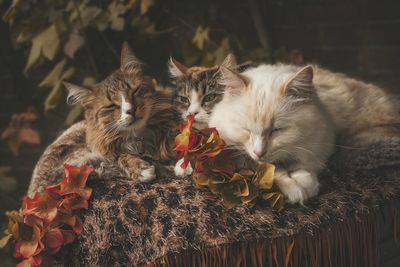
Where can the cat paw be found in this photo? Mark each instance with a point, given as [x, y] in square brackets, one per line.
[298, 186]
[147, 174]
[181, 172]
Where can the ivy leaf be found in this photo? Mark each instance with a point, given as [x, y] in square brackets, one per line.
[46, 43]
[145, 5]
[75, 41]
[54, 75]
[200, 37]
[54, 97]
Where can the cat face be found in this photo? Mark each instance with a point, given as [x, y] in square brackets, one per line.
[197, 89]
[121, 104]
[272, 113]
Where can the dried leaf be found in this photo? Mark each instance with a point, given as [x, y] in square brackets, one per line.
[116, 11]
[264, 178]
[200, 37]
[53, 98]
[75, 41]
[145, 5]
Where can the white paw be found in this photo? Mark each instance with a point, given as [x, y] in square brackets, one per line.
[308, 181]
[181, 172]
[297, 187]
[148, 174]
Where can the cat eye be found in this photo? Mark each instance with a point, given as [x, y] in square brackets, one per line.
[275, 130]
[183, 99]
[209, 97]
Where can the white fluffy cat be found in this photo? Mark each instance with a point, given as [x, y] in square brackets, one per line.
[274, 113]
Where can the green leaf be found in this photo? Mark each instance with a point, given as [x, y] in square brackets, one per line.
[53, 98]
[73, 115]
[54, 75]
[222, 51]
[46, 43]
[88, 81]
[200, 37]
[4, 240]
[12, 11]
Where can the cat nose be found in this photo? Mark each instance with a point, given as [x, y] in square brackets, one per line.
[131, 111]
[259, 152]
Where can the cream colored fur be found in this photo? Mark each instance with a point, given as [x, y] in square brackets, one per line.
[282, 114]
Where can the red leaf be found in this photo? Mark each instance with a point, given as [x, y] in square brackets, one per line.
[75, 181]
[53, 240]
[29, 136]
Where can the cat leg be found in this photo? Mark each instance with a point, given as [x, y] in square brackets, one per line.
[181, 172]
[136, 168]
[297, 186]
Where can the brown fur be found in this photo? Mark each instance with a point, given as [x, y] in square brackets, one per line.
[145, 130]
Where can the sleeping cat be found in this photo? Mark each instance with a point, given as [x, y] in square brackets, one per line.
[280, 114]
[126, 119]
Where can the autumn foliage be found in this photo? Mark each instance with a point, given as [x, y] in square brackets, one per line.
[214, 168]
[49, 220]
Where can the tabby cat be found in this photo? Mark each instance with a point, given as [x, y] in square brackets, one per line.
[127, 120]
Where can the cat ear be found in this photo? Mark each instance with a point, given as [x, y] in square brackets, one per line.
[301, 84]
[129, 62]
[76, 93]
[234, 82]
[229, 61]
[177, 69]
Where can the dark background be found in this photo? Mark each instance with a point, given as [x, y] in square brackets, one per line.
[360, 38]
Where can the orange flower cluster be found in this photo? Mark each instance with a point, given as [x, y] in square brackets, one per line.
[49, 220]
[214, 168]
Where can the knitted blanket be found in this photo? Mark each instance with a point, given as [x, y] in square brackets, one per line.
[169, 222]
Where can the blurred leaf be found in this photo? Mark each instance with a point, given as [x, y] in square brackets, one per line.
[116, 10]
[12, 11]
[75, 41]
[31, 27]
[222, 51]
[54, 75]
[145, 5]
[54, 97]
[8, 183]
[89, 13]
[73, 115]
[19, 131]
[46, 42]
[4, 240]
[88, 81]
[200, 37]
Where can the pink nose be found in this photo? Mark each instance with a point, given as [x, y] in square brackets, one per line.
[260, 152]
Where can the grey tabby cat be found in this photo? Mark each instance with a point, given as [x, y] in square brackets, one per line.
[197, 89]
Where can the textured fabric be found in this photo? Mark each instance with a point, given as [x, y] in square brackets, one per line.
[130, 224]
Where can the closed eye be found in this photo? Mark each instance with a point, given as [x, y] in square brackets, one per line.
[209, 97]
[275, 130]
